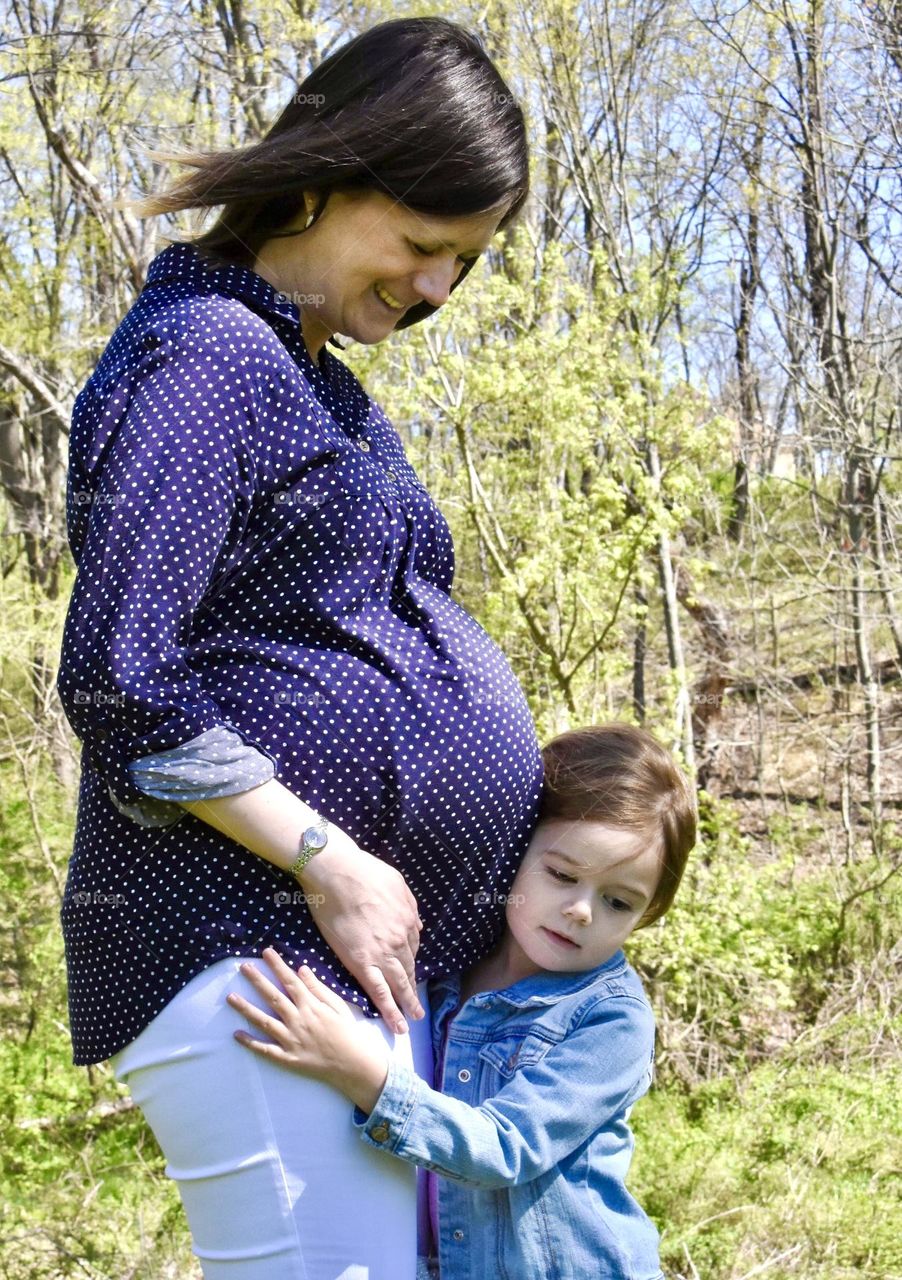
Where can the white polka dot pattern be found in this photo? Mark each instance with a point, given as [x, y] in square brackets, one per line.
[216, 763]
[256, 553]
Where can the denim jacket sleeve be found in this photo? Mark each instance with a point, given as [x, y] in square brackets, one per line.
[548, 1110]
[169, 486]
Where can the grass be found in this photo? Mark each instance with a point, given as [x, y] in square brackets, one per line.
[787, 1172]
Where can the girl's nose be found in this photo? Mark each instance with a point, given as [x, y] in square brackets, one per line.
[433, 282]
[580, 911]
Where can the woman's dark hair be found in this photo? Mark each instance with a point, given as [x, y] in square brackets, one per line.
[619, 774]
[414, 108]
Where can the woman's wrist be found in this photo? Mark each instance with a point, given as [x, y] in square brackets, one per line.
[270, 820]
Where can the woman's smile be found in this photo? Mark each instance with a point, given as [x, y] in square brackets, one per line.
[390, 301]
[355, 235]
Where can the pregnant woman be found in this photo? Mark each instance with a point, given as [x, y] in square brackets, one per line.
[293, 736]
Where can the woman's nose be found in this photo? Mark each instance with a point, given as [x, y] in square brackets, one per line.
[433, 283]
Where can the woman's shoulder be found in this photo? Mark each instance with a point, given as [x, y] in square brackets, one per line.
[224, 329]
[218, 334]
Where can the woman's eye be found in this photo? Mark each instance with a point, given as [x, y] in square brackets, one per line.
[430, 253]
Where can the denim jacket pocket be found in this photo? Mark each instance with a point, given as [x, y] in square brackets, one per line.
[516, 1050]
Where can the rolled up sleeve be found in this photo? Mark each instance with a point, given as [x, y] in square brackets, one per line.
[215, 763]
[168, 500]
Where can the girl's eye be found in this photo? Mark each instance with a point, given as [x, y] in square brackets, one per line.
[427, 253]
[559, 875]
[617, 904]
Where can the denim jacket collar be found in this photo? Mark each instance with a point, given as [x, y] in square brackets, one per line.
[539, 989]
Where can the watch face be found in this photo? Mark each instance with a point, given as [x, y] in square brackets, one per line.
[315, 838]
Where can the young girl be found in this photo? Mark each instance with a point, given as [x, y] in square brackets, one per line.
[541, 1049]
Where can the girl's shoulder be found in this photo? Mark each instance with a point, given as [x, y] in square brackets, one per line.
[613, 993]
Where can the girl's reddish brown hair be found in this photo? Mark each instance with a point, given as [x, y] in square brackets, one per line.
[619, 774]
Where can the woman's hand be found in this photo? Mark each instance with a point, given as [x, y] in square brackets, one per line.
[368, 916]
[361, 906]
[313, 1031]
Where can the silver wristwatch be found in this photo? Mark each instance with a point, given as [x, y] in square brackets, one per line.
[313, 839]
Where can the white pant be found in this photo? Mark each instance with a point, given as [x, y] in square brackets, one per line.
[274, 1177]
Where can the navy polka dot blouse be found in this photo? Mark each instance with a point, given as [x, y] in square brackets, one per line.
[258, 561]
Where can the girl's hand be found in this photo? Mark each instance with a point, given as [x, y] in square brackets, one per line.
[312, 1030]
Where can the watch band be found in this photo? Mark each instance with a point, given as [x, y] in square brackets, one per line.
[313, 840]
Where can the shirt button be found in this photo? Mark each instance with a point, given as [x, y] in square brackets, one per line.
[364, 445]
[392, 474]
[379, 1132]
[463, 1076]
[458, 1234]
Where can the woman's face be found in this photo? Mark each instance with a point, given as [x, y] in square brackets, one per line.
[366, 260]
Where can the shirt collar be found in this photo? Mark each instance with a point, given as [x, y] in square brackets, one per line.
[184, 264]
[548, 987]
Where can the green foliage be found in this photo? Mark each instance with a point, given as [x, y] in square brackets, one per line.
[772, 1139]
[82, 1186]
[751, 952]
[546, 404]
[793, 1169]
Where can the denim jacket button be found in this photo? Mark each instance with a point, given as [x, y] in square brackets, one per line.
[458, 1234]
[463, 1076]
[379, 1132]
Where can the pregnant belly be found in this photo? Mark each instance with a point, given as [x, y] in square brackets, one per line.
[417, 740]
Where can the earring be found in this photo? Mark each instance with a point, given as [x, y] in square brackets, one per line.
[309, 220]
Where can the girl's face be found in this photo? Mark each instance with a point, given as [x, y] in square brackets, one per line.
[366, 260]
[579, 892]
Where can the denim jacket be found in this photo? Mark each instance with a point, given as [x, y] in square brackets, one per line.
[530, 1130]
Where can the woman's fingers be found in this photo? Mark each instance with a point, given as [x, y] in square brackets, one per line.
[390, 987]
[402, 979]
[374, 983]
[368, 916]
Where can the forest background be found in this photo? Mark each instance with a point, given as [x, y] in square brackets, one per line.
[663, 418]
